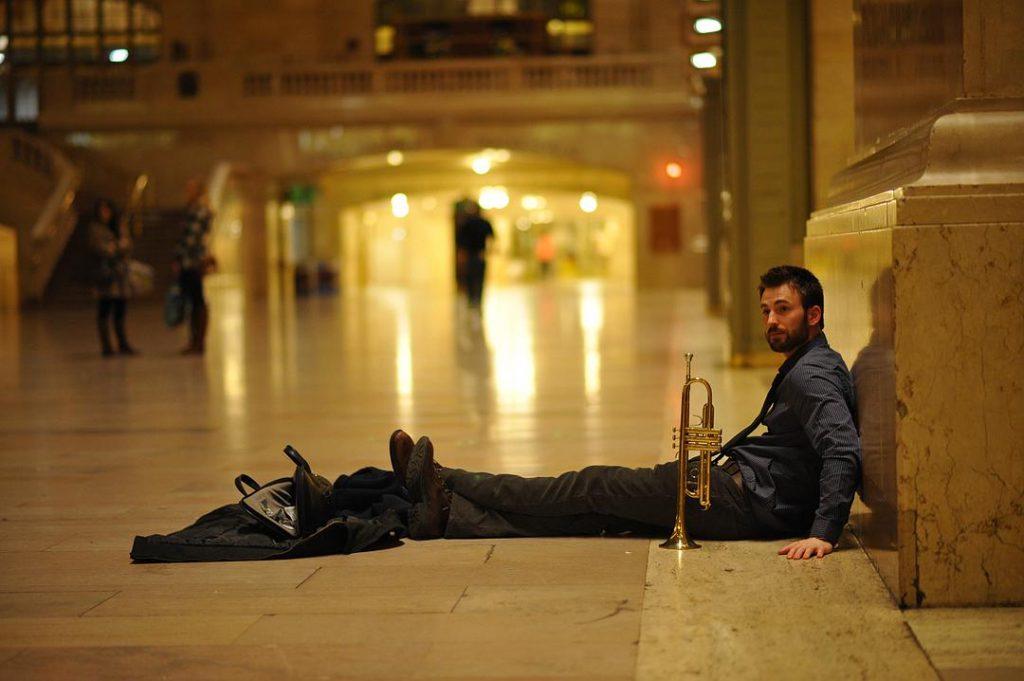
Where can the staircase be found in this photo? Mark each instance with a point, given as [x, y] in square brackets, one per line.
[37, 199]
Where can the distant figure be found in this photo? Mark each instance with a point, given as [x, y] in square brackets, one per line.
[191, 263]
[544, 250]
[112, 245]
[471, 239]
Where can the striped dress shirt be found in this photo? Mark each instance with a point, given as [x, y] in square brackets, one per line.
[806, 467]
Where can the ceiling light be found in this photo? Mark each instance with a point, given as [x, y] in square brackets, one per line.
[533, 202]
[674, 170]
[395, 158]
[481, 165]
[400, 205]
[493, 197]
[707, 25]
[118, 56]
[499, 155]
[588, 202]
[704, 60]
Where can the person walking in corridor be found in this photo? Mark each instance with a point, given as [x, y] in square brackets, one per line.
[191, 263]
[471, 239]
[111, 244]
[797, 479]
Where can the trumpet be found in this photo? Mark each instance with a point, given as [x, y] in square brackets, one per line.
[704, 439]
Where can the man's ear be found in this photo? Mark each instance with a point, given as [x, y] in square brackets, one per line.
[814, 315]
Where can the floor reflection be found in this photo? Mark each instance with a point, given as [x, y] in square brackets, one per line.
[591, 322]
[545, 378]
[509, 328]
[229, 320]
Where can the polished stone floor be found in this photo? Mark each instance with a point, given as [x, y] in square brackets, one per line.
[548, 378]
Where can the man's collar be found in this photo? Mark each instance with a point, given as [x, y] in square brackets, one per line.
[791, 361]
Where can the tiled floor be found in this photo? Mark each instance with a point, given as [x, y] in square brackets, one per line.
[550, 378]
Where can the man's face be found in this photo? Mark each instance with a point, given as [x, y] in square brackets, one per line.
[786, 326]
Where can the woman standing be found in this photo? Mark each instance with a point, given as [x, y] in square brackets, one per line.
[112, 245]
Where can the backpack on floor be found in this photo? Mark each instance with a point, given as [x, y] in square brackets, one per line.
[296, 506]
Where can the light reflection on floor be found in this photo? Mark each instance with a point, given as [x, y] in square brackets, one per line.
[546, 377]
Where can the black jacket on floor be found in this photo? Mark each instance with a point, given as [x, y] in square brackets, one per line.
[371, 511]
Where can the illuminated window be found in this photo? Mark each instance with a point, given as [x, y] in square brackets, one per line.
[429, 29]
[26, 100]
[85, 16]
[115, 16]
[23, 16]
[384, 40]
[56, 31]
[55, 17]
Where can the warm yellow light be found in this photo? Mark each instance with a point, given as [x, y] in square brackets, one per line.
[674, 170]
[384, 40]
[395, 158]
[703, 60]
[400, 205]
[498, 155]
[287, 212]
[588, 202]
[533, 202]
[707, 25]
[556, 27]
[398, 234]
[481, 165]
[493, 198]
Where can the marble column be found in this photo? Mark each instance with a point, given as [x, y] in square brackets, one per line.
[766, 200]
[256, 195]
[921, 255]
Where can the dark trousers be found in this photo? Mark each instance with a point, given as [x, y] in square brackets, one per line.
[601, 500]
[191, 283]
[106, 309]
[476, 268]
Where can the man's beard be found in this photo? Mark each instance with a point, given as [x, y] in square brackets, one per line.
[791, 340]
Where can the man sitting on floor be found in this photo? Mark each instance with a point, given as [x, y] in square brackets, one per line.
[797, 479]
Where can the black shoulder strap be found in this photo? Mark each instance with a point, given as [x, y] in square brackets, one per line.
[294, 455]
[244, 480]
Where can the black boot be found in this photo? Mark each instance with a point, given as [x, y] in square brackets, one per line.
[104, 333]
[432, 503]
[123, 346]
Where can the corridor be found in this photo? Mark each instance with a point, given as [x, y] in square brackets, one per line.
[547, 378]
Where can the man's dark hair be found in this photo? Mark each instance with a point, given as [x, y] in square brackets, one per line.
[803, 280]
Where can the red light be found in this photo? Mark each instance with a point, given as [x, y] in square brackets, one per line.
[674, 170]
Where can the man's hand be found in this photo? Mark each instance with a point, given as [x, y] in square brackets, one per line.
[805, 548]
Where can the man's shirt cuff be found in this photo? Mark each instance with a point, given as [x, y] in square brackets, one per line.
[828, 530]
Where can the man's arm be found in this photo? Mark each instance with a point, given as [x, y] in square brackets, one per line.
[819, 404]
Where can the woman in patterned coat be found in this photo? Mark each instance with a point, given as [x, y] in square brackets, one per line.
[111, 245]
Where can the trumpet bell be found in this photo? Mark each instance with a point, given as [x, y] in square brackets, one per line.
[679, 543]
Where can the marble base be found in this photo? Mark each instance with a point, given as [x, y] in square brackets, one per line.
[925, 300]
